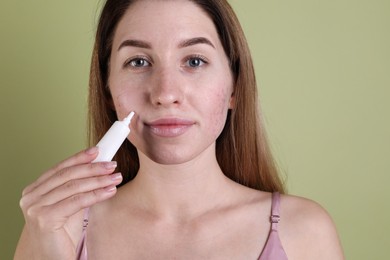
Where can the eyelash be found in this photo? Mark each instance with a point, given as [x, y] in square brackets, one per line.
[130, 62]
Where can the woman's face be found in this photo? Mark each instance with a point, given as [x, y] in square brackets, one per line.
[168, 65]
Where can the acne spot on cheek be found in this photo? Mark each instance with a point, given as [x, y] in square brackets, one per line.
[119, 102]
[219, 114]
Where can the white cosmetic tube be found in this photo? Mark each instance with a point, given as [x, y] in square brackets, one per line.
[112, 140]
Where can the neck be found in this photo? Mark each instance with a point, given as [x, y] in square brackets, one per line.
[179, 192]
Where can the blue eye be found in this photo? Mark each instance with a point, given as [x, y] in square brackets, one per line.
[195, 62]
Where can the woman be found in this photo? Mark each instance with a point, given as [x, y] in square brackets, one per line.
[197, 178]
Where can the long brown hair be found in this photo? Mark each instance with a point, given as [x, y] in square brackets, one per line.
[242, 149]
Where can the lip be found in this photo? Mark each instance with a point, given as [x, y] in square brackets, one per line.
[169, 127]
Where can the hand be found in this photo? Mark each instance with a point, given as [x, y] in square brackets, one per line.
[53, 205]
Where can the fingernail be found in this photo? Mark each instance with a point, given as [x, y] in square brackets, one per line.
[91, 150]
[116, 176]
[110, 188]
[110, 165]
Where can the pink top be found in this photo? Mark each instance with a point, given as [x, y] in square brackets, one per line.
[273, 249]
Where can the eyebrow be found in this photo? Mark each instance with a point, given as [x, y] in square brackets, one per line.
[135, 43]
[182, 44]
[194, 41]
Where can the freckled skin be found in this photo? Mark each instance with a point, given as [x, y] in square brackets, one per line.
[169, 87]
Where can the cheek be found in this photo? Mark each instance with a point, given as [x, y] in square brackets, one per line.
[219, 101]
[123, 92]
[123, 102]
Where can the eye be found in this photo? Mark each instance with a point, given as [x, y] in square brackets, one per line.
[138, 62]
[196, 61]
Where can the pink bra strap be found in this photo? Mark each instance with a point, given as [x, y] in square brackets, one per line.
[275, 215]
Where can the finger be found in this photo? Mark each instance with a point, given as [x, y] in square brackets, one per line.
[52, 217]
[57, 213]
[82, 157]
[77, 186]
[66, 175]
[74, 173]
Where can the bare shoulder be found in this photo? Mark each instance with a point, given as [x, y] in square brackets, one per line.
[307, 231]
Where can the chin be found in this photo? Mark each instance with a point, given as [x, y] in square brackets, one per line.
[169, 159]
[178, 154]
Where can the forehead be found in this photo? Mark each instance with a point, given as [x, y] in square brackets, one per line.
[165, 20]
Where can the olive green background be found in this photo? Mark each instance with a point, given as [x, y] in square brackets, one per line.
[323, 69]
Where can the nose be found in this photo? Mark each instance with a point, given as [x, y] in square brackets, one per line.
[167, 89]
